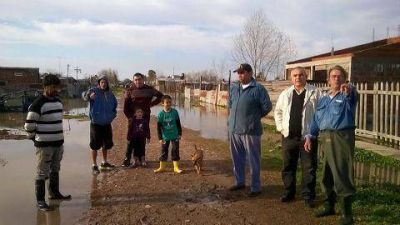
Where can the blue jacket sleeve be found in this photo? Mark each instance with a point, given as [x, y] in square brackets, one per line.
[266, 105]
[314, 129]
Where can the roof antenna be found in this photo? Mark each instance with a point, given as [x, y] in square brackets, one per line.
[373, 33]
[332, 49]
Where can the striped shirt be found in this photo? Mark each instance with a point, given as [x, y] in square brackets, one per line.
[44, 122]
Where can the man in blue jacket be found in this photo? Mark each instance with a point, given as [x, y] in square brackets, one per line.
[334, 125]
[103, 110]
[248, 103]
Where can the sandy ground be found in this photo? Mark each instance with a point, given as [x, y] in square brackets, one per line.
[139, 196]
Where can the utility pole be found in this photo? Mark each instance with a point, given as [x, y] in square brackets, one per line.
[77, 70]
[398, 30]
[59, 65]
[387, 32]
[67, 70]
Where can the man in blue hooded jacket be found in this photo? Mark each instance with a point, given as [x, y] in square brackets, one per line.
[103, 110]
[248, 103]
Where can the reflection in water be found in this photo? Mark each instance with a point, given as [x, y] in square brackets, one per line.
[16, 120]
[373, 174]
[76, 106]
[208, 119]
[51, 217]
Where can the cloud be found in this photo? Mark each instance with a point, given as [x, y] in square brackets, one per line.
[132, 35]
[88, 34]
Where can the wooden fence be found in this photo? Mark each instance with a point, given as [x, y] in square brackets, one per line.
[377, 113]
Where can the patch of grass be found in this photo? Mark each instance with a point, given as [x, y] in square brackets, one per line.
[271, 149]
[373, 204]
[361, 155]
[377, 204]
[118, 91]
[79, 117]
[269, 128]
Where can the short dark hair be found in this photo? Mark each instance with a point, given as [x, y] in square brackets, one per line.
[164, 97]
[51, 79]
[340, 68]
[138, 75]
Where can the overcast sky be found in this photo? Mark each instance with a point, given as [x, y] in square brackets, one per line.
[174, 35]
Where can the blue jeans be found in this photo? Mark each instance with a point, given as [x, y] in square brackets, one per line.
[242, 146]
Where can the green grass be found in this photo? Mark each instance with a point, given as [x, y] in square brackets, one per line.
[118, 91]
[79, 117]
[373, 204]
[377, 204]
[361, 155]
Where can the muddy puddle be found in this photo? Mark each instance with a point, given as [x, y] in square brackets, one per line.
[17, 200]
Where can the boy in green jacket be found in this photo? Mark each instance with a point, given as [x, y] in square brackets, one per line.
[169, 131]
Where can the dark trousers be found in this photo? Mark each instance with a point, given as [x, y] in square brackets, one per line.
[338, 171]
[292, 148]
[137, 145]
[174, 151]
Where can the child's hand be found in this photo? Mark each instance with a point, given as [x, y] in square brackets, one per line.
[148, 140]
[162, 142]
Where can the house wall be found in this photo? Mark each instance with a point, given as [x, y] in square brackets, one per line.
[372, 69]
[18, 78]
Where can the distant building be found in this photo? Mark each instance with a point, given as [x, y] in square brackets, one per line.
[19, 78]
[374, 61]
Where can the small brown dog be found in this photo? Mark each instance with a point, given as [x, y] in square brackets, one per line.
[197, 158]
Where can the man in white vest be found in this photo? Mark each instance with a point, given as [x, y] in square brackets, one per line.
[294, 111]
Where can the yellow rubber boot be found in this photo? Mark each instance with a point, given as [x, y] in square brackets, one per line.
[176, 167]
[162, 167]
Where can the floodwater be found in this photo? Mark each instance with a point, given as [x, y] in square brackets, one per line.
[208, 119]
[17, 199]
[17, 163]
[17, 171]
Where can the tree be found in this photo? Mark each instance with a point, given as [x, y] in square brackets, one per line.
[112, 76]
[262, 45]
[219, 68]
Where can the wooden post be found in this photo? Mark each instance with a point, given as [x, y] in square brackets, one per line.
[381, 112]
[365, 111]
[396, 111]
[391, 112]
[386, 110]
[357, 123]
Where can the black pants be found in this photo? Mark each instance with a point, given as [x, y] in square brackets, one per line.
[101, 136]
[138, 145]
[174, 151]
[292, 148]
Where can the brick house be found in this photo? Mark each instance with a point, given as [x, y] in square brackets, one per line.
[370, 62]
[18, 78]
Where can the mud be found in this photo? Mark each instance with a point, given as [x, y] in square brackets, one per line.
[6, 134]
[139, 196]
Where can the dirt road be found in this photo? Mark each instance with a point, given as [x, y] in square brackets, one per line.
[139, 196]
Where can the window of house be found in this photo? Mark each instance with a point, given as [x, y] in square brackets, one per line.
[18, 74]
[2, 83]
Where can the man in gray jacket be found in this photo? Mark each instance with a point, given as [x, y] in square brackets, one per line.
[248, 103]
[294, 111]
